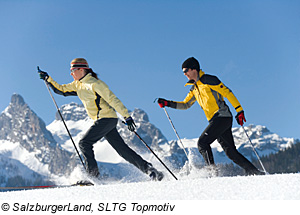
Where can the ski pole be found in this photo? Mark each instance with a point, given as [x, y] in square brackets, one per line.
[188, 166]
[171, 122]
[63, 120]
[255, 151]
[155, 155]
[176, 132]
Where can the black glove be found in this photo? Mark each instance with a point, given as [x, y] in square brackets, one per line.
[130, 124]
[163, 102]
[43, 75]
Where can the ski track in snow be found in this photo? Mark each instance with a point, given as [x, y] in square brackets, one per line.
[269, 187]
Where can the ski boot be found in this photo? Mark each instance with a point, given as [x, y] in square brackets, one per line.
[84, 183]
[154, 174]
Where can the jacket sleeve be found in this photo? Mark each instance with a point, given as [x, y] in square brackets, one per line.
[65, 89]
[227, 93]
[102, 89]
[187, 102]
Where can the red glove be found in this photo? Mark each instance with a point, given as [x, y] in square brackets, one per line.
[163, 102]
[240, 118]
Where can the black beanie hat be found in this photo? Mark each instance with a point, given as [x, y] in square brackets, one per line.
[191, 63]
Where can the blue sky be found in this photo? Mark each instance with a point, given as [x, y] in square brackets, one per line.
[137, 48]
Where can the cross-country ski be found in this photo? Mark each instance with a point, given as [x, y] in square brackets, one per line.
[80, 184]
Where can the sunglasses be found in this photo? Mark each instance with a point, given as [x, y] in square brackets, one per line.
[186, 70]
[74, 69]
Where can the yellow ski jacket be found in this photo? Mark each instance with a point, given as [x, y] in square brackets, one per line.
[98, 100]
[209, 92]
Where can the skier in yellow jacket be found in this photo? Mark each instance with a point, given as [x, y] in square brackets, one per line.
[209, 92]
[101, 105]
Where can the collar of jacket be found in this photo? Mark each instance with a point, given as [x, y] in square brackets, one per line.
[85, 77]
[192, 82]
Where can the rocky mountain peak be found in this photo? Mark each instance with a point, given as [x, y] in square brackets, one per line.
[16, 99]
[150, 133]
[72, 111]
[18, 120]
[140, 115]
[20, 125]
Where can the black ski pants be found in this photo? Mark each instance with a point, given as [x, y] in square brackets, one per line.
[106, 127]
[220, 128]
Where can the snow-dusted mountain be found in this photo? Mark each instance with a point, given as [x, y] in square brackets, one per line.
[27, 148]
[32, 152]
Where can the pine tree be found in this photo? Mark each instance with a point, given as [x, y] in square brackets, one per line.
[287, 161]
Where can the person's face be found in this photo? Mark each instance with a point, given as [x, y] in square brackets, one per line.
[77, 73]
[191, 74]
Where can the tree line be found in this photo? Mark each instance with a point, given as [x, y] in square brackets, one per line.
[286, 161]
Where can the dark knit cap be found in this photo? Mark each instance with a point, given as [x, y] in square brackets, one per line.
[191, 63]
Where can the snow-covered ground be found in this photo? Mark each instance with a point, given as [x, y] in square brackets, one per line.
[189, 195]
[269, 187]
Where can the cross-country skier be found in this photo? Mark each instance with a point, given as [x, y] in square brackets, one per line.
[209, 92]
[101, 105]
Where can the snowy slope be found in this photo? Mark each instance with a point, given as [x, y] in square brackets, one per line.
[189, 195]
[270, 187]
